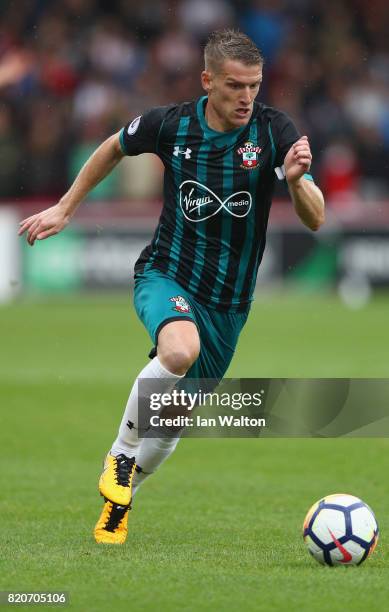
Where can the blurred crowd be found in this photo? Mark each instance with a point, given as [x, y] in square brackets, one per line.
[72, 72]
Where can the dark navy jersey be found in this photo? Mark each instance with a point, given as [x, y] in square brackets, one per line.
[217, 195]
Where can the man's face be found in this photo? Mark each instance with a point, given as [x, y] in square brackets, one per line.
[231, 92]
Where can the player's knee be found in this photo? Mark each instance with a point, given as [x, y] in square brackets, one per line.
[179, 359]
[178, 346]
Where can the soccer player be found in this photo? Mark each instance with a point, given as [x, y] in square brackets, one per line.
[194, 283]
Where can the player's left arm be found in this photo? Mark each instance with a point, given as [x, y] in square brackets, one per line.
[307, 198]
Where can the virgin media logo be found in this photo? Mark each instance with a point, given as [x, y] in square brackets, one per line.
[199, 203]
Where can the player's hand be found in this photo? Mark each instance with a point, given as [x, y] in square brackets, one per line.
[298, 159]
[44, 224]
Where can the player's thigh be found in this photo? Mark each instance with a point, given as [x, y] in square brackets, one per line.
[165, 310]
[219, 334]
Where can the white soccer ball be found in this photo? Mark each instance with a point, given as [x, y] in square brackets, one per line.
[340, 530]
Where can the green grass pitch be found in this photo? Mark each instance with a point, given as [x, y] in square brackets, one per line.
[219, 527]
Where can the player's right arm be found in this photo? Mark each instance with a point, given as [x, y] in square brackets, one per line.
[52, 220]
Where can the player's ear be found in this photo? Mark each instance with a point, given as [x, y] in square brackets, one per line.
[206, 80]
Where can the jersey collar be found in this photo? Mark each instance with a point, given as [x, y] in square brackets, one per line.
[219, 139]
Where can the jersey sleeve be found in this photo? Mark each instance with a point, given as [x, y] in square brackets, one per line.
[141, 135]
[285, 135]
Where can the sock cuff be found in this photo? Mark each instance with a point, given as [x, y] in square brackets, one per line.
[161, 372]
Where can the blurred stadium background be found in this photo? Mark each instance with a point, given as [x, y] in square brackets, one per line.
[72, 72]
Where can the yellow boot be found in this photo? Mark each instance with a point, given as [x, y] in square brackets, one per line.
[111, 528]
[116, 480]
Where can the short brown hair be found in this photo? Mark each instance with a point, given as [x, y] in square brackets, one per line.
[233, 45]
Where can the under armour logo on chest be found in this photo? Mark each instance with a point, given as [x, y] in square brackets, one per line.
[177, 152]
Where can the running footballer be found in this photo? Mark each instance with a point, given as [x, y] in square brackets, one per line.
[195, 281]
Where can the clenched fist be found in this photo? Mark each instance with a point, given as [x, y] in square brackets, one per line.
[298, 159]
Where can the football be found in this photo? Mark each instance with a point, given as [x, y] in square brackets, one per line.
[340, 529]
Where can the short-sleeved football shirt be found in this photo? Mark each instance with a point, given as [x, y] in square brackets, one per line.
[216, 198]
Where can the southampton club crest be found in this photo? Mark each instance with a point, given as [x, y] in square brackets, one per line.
[181, 305]
[249, 155]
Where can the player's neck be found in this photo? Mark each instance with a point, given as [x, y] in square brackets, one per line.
[214, 120]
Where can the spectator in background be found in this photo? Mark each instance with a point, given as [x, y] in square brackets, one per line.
[46, 150]
[200, 17]
[340, 176]
[265, 22]
[10, 154]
